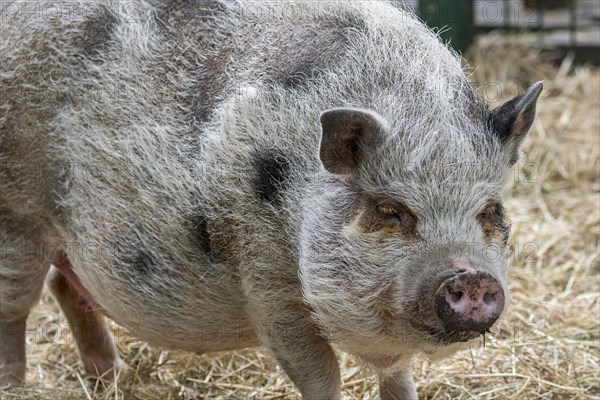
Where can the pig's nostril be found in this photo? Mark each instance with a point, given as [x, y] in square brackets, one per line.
[454, 297]
[489, 298]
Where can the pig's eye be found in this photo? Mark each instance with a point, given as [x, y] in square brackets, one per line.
[494, 222]
[493, 209]
[387, 211]
[398, 213]
[389, 217]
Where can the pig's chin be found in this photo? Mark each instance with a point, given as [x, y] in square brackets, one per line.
[447, 338]
[441, 344]
[444, 337]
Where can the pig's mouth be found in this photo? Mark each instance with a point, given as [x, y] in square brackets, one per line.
[447, 337]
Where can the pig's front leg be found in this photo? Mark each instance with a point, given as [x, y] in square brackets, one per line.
[399, 386]
[306, 357]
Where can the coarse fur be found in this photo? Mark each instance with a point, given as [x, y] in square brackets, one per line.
[171, 152]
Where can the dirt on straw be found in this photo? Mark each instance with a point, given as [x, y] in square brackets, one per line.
[547, 347]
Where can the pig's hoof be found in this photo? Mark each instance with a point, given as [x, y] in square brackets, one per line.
[10, 380]
[103, 368]
[12, 374]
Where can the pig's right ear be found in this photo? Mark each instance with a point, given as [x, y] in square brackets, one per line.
[346, 135]
[513, 120]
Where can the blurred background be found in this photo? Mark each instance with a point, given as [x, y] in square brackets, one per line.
[558, 27]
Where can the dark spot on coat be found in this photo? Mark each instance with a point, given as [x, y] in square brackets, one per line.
[131, 254]
[304, 52]
[181, 12]
[141, 262]
[147, 272]
[271, 171]
[94, 35]
[198, 227]
[200, 22]
[293, 54]
[209, 89]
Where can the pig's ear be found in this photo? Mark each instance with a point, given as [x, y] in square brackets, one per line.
[512, 120]
[346, 135]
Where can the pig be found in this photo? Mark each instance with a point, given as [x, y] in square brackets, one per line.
[214, 175]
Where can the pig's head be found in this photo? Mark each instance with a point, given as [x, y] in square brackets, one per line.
[405, 246]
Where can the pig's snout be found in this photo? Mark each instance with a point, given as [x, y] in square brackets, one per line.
[469, 301]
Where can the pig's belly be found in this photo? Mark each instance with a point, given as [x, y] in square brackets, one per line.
[205, 315]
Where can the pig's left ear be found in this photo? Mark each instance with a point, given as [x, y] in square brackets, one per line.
[512, 120]
[347, 134]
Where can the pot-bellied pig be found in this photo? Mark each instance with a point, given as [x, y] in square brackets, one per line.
[214, 175]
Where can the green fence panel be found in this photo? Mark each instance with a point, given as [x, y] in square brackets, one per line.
[453, 17]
